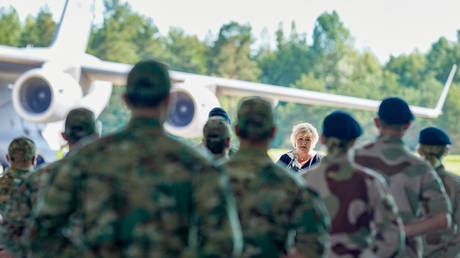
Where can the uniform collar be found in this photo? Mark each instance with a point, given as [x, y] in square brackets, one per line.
[390, 139]
[143, 122]
[17, 171]
[252, 152]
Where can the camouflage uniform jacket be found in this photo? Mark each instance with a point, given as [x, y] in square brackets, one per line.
[274, 206]
[416, 188]
[137, 193]
[9, 180]
[364, 217]
[19, 209]
[447, 243]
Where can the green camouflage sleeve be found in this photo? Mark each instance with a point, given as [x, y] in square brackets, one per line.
[55, 203]
[434, 197]
[15, 217]
[311, 224]
[6, 182]
[390, 237]
[218, 228]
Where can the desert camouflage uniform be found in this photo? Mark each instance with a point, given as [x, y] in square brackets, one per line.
[364, 218]
[137, 193]
[277, 211]
[417, 190]
[446, 244]
[9, 181]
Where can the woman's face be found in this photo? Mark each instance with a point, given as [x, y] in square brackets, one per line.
[303, 142]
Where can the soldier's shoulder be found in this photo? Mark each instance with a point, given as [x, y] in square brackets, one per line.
[369, 173]
[7, 174]
[296, 179]
[453, 177]
[46, 170]
[365, 148]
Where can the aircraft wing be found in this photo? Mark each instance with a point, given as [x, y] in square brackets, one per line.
[15, 61]
[21, 56]
[116, 73]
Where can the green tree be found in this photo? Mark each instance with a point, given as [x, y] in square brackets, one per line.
[38, 31]
[331, 42]
[410, 69]
[288, 61]
[231, 53]
[186, 53]
[10, 26]
[125, 36]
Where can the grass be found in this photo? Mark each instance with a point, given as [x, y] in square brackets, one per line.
[451, 162]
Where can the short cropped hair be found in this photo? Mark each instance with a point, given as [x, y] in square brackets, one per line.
[306, 128]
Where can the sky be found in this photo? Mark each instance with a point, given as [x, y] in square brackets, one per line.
[384, 27]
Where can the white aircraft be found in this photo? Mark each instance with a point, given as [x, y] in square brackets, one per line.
[39, 86]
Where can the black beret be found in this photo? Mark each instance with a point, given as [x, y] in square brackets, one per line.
[433, 136]
[395, 111]
[341, 125]
[218, 111]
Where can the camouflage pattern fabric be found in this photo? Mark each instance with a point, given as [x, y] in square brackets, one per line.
[417, 190]
[364, 217]
[277, 211]
[10, 179]
[446, 244]
[23, 198]
[138, 193]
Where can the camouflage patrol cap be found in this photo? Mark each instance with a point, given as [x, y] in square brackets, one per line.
[148, 83]
[21, 149]
[79, 123]
[395, 111]
[216, 128]
[255, 118]
[341, 125]
[433, 136]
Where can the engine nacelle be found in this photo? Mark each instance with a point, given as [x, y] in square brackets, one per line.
[45, 95]
[189, 109]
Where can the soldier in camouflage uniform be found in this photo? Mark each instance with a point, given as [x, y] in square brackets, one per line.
[433, 146]
[217, 137]
[139, 192]
[80, 128]
[278, 213]
[21, 157]
[220, 112]
[419, 194]
[364, 218]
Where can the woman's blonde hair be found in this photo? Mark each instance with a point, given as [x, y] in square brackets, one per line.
[433, 153]
[307, 128]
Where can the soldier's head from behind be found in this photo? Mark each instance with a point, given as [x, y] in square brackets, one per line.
[147, 89]
[255, 125]
[21, 153]
[80, 123]
[394, 116]
[340, 131]
[217, 136]
[434, 143]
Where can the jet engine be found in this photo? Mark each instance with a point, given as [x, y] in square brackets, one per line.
[189, 109]
[45, 95]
